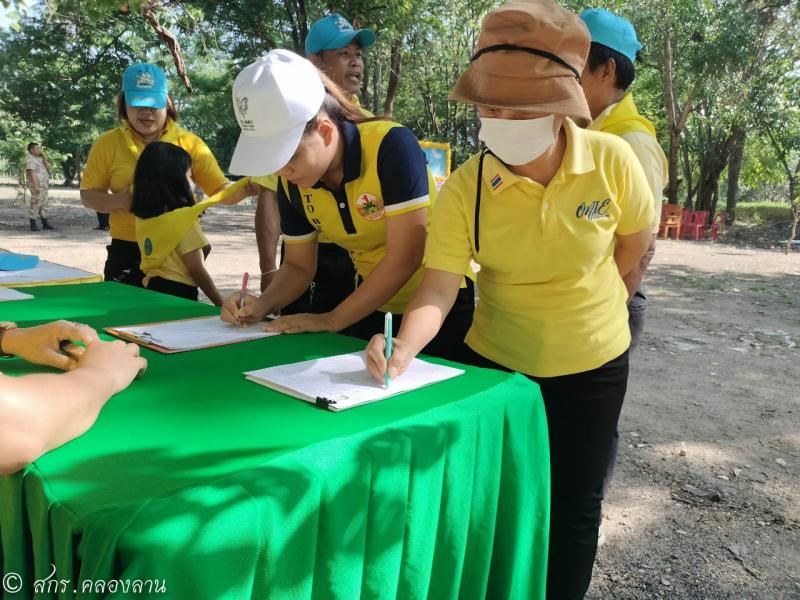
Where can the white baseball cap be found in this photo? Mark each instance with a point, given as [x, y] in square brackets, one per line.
[273, 99]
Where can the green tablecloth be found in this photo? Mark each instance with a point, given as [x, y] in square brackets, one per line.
[215, 487]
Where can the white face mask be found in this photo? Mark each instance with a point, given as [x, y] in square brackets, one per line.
[518, 141]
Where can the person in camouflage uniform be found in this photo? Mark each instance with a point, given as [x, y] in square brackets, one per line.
[38, 173]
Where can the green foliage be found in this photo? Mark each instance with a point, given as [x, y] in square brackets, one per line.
[763, 212]
[737, 61]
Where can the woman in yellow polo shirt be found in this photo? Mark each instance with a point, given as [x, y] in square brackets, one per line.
[363, 182]
[146, 114]
[554, 215]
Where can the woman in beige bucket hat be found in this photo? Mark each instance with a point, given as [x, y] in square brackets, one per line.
[555, 215]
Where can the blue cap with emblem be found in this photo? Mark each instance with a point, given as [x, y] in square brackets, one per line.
[145, 85]
[334, 32]
[612, 31]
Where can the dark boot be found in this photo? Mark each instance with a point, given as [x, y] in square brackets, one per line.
[46, 225]
[34, 225]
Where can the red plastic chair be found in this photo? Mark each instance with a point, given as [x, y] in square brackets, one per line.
[718, 226]
[696, 228]
[670, 220]
[687, 217]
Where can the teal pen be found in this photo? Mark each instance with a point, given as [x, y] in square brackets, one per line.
[387, 333]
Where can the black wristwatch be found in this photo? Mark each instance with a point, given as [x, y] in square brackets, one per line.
[5, 326]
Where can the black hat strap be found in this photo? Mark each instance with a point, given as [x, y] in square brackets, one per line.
[534, 51]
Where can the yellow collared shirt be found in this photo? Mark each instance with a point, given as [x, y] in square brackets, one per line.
[623, 119]
[551, 301]
[385, 175]
[112, 162]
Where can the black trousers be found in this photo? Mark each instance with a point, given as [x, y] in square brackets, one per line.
[448, 343]
[333, 282]
[122, 263]
[173, 288]
[582, 413]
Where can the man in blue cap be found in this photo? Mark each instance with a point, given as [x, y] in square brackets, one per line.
[608, 74]
[335, 47]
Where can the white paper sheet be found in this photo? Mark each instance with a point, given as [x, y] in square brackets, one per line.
[344, 380]
[42, 273]
[9, 294]
[195, 333]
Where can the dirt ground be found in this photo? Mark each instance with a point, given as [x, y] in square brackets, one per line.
[705, 501]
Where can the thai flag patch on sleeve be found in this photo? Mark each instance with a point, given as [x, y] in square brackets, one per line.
[496, 182]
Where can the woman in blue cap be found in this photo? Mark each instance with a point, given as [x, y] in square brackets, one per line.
[146, 113]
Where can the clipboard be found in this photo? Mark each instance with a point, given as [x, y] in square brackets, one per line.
[172, 337]
[47, 273]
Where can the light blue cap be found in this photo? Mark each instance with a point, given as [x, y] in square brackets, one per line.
[145, 85]
[334, 32]
[613, 31]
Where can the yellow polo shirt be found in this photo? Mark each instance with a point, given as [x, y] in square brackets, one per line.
[173, 267]
[112, 162]
[623, 119]
[385, 174]
[551, 301]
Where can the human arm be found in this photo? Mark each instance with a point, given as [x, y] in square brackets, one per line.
[268, 232]
[34, 420]
[405, 248]
[198, 272]
[33, 182]
[634, 278]
[629, 250]
[634, 233]
[104, 202]
[405, 189]
[96, 179]
[421, 322]
[291, 280]
[40, 345]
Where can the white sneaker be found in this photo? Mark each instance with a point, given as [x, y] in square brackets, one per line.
[601, 536]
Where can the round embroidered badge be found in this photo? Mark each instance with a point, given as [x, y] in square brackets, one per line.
[148, 247]
[370, 207]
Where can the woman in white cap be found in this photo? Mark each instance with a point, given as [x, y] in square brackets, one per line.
[362, 181]
[555, 216]
[146, 113]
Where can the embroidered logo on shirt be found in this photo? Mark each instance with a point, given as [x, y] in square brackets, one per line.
[496, 182]
[596, 210]
[370, 207]
[148, 246]
[145, 80]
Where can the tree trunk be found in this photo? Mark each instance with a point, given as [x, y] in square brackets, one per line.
[366, 100]
[687, 176]
[395, 64]
[676, 119]
[734, 169]
[714, 159]
[376, 86]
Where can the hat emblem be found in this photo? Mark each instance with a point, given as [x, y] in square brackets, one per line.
[342, 24]
[241, 104]
[145, 80]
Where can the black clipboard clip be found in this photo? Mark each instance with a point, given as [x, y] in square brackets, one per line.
[325, 403]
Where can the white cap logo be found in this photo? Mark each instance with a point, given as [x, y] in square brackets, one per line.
[145, 80]
[241, 104]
